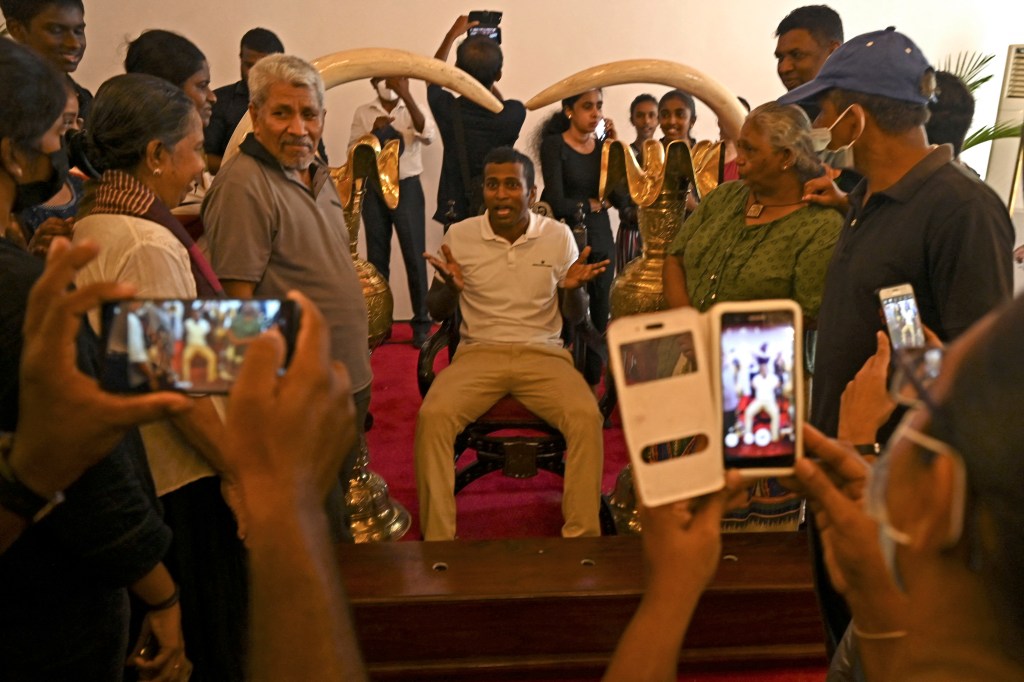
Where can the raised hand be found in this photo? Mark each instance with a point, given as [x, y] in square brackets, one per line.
[609, 130]
[449, 268]
[66, 423]
[865, 404]
[823, 190]
[581, 271]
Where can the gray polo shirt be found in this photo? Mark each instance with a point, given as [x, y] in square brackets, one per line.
[263, 225]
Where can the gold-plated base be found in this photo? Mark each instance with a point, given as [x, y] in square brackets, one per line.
[638, 289]
[373, 515]
[623, 503]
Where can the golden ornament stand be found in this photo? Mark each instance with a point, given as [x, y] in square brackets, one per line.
[372, 515]
[659, 189]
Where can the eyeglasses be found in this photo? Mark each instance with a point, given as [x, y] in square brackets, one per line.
[878, 480]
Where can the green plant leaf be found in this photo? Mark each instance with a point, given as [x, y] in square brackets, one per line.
[998, 131]
[968, 68]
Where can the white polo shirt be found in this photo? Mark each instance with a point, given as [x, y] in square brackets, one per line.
[411, 161]
[511, 290]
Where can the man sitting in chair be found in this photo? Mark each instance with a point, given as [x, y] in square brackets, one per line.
[514, 275]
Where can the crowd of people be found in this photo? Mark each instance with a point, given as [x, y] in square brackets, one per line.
[158, 529]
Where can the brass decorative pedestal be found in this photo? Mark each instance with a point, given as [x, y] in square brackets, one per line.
[660, 191]
[372, 515]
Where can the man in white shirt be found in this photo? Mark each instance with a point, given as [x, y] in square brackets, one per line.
[764, 385]
[394, 114]
[513, 275]
[197, 328]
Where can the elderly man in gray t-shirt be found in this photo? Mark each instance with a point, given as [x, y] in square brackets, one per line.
[274, 221]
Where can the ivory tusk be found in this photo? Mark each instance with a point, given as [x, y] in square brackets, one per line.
[351, 65]
[720, 100]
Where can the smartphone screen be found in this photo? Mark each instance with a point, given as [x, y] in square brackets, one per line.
[492, 32]
[759, 383]
[902, 317]
[190, 345]
[600, 131]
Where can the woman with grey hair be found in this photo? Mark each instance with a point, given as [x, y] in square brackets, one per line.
[757, 238]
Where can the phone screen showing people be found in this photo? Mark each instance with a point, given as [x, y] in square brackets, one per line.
[759, 383]
[658, 358]
[196, 346]
[902, 317]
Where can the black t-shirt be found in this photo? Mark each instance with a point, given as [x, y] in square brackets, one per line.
[483, 131]
[937, 228]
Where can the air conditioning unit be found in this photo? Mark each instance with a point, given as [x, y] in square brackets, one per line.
[1004, 162]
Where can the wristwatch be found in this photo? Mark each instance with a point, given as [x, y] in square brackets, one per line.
[868, 448]
[17, 497]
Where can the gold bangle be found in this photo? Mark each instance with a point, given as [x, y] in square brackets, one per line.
[893, 634]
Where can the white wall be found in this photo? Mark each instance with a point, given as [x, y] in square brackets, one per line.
[544, 41]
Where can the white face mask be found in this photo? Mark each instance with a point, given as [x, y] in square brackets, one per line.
[839, 158]
[386, 93]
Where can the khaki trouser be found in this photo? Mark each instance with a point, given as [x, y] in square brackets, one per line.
[544, 380]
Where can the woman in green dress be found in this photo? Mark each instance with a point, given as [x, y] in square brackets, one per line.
[757, 239]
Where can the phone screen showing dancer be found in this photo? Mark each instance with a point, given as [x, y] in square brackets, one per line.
[902, 317]
[760, 377]
[190, 345]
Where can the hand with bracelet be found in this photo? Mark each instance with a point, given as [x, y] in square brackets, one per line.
[159, 653]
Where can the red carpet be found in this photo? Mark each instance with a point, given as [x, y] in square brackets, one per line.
[494, 506]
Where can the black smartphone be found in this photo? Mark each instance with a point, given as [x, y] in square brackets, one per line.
[761, 385]
[902, 317]
[189, 345]
[487, 24]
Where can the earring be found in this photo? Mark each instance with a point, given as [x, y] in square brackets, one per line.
[158, 172]
[569, 116]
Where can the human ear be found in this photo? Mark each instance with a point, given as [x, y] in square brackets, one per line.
[940, 498]
[18, 31]
[155, 153]
[9, 158]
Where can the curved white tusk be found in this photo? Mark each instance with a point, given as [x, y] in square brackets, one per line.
[367, 62]
[720, 100]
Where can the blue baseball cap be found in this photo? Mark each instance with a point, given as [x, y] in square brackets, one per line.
[885, 63]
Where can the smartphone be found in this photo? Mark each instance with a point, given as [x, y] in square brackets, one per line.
[487, 24]
[902, 317]
[759, 383]
[189, 345]
[661, 371]
[600, 130]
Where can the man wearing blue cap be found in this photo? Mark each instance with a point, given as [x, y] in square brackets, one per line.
[916, 217]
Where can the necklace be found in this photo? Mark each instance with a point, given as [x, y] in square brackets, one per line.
[757, 208]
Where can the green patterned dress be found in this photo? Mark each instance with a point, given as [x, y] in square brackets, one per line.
[727, 260]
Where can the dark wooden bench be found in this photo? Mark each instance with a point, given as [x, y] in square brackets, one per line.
[512, 609]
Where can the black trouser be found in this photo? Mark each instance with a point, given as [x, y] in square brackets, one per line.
[408, 222]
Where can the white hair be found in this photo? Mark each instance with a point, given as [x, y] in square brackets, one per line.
[278, 68]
